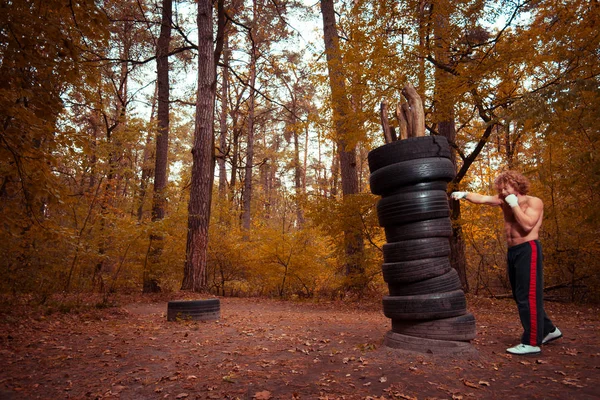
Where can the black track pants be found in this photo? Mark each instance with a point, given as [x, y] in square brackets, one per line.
[525, 272]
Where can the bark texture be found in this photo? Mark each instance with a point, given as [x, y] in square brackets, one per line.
[203, 155]
[354, 244]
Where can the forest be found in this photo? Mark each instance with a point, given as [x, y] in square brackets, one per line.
[220, 147]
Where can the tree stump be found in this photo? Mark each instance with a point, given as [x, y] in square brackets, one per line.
[410, 116]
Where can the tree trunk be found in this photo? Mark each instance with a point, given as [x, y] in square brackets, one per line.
[247, 192]
[423, 7]
[298, 187]
[148, 159]
[223, 125]
[203, 155]
[162, 146]
[353, 240]
[444, 116]
[235, 156]
[162, 136]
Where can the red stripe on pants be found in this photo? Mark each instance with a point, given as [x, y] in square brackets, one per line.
[532, 295]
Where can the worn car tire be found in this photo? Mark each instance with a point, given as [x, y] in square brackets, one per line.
[404, 208]
[438, 227]
[419, 187]
[415, 249]
[425, 306]
[455, 328]
[386, 180]
[412, 344]
[408, 149]
[197, 310]
[447, 282]
[415, 270]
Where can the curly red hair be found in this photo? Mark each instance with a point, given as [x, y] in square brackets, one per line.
[514, 179]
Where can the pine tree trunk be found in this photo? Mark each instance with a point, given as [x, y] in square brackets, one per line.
[162, 137]
[247, 192]
[444, 115]
[162, 146]
[203, 154]
[147, 160]
[223, 124]
[353, 239]
[298, 187]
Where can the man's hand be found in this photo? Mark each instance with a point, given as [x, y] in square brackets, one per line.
[512, 200]
[459, 195]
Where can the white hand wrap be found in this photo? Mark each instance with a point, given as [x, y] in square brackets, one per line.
[459, 195]
[512, 200]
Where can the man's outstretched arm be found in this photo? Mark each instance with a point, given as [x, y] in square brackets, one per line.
[477, 198]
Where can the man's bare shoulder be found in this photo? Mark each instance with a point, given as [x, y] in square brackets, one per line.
[534, 201]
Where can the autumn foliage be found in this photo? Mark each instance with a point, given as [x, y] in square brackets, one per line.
[516, 86]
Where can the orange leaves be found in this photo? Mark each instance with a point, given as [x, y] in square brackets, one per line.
[264, 395]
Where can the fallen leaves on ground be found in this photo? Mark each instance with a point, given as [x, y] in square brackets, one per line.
[264, 349]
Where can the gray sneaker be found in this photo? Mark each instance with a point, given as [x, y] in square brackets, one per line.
[555, 334]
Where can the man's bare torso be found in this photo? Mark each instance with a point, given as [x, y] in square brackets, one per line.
[515, 234]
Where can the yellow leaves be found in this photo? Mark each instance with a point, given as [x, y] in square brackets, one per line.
[278, 263]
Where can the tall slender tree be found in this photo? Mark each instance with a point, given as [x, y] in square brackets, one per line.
[247, 192]
[346, 145]
[444, 115]
[194, 273]
[221, 157]
[162, 144]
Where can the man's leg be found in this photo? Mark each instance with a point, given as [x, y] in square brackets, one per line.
[549, 331]
[537, 273]
[527, 293]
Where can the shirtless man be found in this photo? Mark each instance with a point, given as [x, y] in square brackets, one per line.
[522, 221]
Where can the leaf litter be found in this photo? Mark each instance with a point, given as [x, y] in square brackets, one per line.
[265, 349]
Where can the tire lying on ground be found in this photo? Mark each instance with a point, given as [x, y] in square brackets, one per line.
[415, 249]
[404, 208]
[196, 310]
[438, 227]
[447, 282]
[408, 149]
[407, 343]
[415, 270]
[425, 306]
[455, 328]
[387, 179]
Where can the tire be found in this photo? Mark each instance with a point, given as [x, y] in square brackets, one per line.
[456, 328]
[414, 344]
[439, 227]
[404, 208]
[416, 270]
[197, 310]
[419, 187]
[386, 180]
[447, 282]
[408, 149]
[425, 306]
[415, 249]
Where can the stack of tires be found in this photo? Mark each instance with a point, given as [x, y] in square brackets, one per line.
[426, 303]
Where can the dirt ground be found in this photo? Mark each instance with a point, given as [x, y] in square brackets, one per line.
[268, 349]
